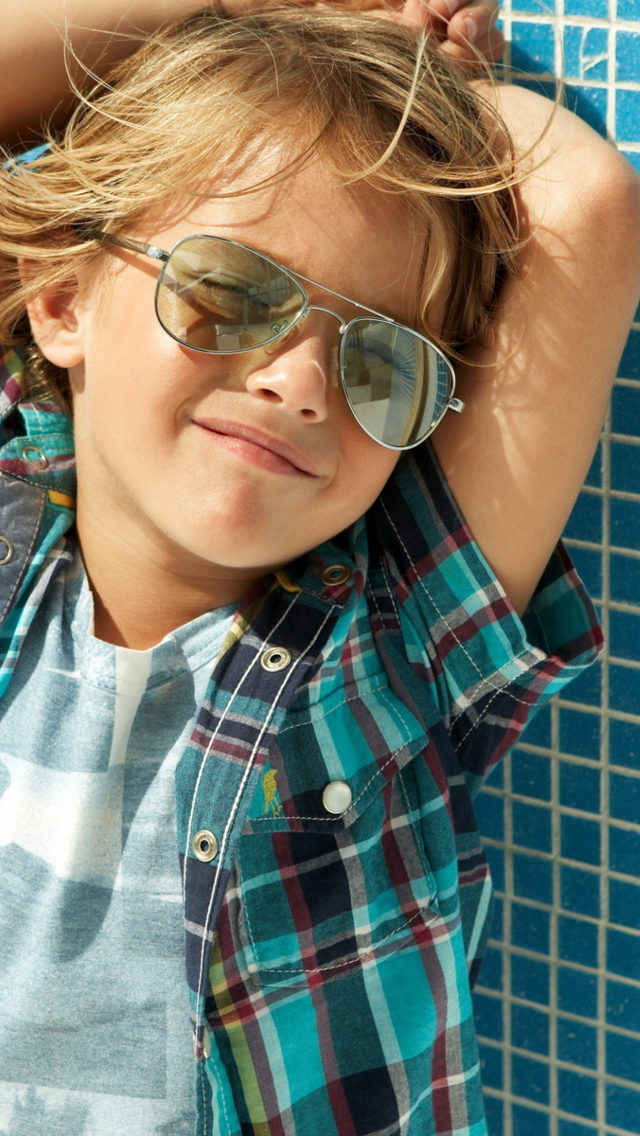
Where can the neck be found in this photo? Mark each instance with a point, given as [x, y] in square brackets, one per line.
[142, 593]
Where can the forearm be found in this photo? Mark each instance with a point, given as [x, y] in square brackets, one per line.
[34, 81]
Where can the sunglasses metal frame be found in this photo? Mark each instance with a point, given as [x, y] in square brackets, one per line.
[164, 256]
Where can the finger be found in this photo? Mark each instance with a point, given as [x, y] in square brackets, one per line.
[469, 43]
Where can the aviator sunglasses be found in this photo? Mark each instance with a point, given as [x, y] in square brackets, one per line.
[222, 297]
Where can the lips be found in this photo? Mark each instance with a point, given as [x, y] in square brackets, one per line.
[257, 446]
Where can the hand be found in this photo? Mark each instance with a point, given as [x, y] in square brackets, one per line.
[466, 29]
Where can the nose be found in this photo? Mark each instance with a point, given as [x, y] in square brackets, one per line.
[294, 374]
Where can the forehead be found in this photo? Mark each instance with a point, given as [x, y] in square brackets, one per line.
[354, 239]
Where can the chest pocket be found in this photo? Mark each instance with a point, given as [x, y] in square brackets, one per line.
[319, 894]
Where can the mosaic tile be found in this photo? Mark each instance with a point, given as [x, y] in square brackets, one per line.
[585, 522]
[530, 1078]
[624, 578]
[623, 954]
[494, 1109]
[623, 1005]
[530, 1029]
[624, 744]
[579, 787]
[538, 730]
[491, 1064]
[598, 9]
[530, 979]
[624, 795]
[627, 9]
[587, 688]
[628, 116]
[623, 1055]
[577, 941]
[580, 839]
[529, 1121]
[577, 1043]
[577, 992]
[490, 815]
[624, 635]
[533, 48]
[492, 967]
[580, 893]
[629, 367]
[625, 524]
[577, 1094]
[625, 419]
[624, 688]
[624, 907]
[585, 52]
[532, 878]
[627, 57]
[625, 465]
[530, 928]
[623, 1108]
[532, 826]
[489, 1015]
[580, 733]
[624, 850]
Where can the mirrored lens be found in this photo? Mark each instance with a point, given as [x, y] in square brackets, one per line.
[396, 382]
[219, 296]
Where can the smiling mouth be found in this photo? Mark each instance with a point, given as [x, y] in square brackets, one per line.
[258, 448]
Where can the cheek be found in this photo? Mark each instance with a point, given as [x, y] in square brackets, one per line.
[367, 468]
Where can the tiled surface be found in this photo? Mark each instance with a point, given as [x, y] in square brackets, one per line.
[558, 1002]
[558, 999]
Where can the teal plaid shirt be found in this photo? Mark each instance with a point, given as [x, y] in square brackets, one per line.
[329, 954]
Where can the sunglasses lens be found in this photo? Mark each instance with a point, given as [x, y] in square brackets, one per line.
[396, 383]
[222, 297]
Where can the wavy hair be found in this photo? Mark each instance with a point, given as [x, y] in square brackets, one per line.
[372, 99]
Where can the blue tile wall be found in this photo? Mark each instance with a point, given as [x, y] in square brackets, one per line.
[559, 1001]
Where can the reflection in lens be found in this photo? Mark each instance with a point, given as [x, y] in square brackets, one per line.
[397, 383]
[220, 296]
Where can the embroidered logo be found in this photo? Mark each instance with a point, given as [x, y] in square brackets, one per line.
[270, 790]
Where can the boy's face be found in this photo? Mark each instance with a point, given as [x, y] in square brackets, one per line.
[241, 462]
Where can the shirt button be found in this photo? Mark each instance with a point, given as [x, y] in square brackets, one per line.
[275, 658]
[335, 574]
[337, 797]
[206, 1043]
[205, 845]
[6, 550]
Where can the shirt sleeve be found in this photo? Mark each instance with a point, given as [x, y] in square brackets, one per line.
[487, 669]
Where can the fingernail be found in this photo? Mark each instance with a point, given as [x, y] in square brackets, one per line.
[451, 6]
[471, 26]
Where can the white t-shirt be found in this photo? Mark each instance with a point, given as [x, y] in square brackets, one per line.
[94, 1031]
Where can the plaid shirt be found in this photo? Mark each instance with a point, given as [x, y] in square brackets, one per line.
[329, 950]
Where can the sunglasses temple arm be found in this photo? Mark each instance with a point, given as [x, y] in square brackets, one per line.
[127, 243]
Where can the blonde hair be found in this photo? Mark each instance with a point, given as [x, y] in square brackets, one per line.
[373, 99]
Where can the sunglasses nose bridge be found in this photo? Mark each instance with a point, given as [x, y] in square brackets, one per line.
[329, 311]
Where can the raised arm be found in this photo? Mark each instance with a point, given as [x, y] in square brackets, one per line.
[517, 456]
[35, 70]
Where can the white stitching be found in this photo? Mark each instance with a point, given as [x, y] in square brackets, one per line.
[379, 770]
[369, 953]
[484, 681]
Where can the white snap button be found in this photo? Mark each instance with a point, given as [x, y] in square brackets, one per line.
[335, 574]
[6, 547]
[205, 845]
[276, 659]
[337, 797]
[35, 457]
[206, 1043]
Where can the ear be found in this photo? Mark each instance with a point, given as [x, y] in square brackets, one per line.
[56, 325]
